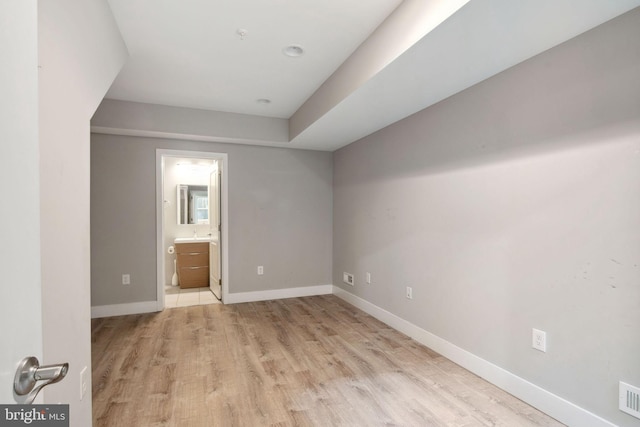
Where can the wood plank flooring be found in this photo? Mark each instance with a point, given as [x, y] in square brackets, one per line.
[314, 361]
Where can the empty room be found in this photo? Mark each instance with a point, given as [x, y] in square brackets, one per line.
[276, 212]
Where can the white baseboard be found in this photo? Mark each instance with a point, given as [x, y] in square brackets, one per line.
[123, 309]
[306, 291]
[552, 405]
[151, 306]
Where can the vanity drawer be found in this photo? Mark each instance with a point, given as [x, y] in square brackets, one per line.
[193, 259]
[192, 247]
[193, 264]
[194, 277]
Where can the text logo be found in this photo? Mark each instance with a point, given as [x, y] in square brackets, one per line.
[34, 415]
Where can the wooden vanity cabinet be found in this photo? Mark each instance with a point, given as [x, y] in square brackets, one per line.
[193, 264]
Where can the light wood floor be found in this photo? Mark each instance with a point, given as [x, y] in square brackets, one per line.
[314, 361]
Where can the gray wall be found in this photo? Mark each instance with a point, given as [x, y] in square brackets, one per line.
[280, 207]
[513, 205]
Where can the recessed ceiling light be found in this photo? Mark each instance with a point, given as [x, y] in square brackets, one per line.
[293, 51]
[263, 101]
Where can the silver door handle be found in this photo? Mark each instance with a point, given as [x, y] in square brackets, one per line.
[28, 374]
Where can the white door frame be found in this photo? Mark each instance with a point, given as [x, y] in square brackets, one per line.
[224, 248]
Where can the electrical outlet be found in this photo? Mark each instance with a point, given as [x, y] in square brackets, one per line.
[83, 382]
[126, 279]
[348, 279]
[409, 292]
[368, 278]
[260, 270]
[539, 340]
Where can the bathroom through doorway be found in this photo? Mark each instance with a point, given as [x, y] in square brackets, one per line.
[192, 231]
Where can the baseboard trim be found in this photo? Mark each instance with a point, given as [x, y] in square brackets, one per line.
[549, 403]
[306, 291]
[123, 309]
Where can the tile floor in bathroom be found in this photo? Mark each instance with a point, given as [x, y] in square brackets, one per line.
[176, 297]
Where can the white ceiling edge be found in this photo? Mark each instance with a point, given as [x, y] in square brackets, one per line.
[408, 23]
[482, 39]
[128, 118]
[103, 130]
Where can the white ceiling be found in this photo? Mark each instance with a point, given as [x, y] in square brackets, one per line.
[367, 63]
[188, 53]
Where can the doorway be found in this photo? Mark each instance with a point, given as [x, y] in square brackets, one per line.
[174, 219]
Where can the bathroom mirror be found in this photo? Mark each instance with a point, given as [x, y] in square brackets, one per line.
[193, 204]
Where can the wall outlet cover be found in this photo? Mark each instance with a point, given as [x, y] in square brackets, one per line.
[539, 340]
[348, 279]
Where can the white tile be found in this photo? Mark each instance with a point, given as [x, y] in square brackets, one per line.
[171, 290]
[171, 301]
[189, 297]
[177, 297]
[185, 300]
[207, 298]
[186, 303]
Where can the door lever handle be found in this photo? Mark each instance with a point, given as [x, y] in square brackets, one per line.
[28, 374]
